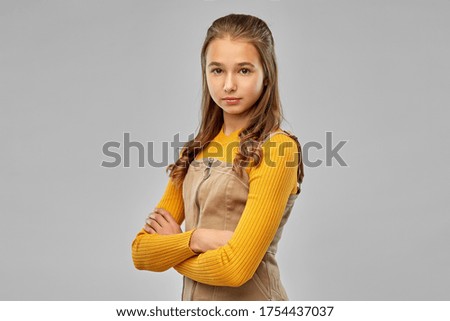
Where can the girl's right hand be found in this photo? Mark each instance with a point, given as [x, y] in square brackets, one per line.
[204, 239]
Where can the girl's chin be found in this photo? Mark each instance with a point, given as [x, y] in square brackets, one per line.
[235, 110]
[232, 112]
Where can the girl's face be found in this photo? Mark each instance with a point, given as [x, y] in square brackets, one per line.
[234, 75]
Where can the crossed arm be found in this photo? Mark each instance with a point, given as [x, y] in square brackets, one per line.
[218, 257]
[161, 244]
[161, 222]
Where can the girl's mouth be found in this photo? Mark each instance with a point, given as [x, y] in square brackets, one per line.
[232, 100]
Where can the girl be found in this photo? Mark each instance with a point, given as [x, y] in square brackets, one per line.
[235, 183]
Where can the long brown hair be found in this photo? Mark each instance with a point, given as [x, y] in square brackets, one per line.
[265, 115]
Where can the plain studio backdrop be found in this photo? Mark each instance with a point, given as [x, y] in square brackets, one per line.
[75, 75]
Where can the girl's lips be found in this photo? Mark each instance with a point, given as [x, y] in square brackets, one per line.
[232, 101]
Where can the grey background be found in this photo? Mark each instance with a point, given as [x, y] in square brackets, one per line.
[77, 74]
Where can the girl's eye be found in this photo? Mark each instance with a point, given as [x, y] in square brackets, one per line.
[216, 71]
[245, 71]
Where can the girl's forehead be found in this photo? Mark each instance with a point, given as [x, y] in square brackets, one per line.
[228, 50]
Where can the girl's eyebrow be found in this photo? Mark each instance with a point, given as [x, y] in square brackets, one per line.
[218, 64]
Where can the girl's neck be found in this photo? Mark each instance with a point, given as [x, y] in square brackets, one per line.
[231, 123]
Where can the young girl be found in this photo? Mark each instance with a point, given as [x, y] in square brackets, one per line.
[235, 183]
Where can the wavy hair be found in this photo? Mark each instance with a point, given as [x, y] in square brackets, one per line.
[264, 117]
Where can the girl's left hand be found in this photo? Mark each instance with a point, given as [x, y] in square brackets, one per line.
[161, 222]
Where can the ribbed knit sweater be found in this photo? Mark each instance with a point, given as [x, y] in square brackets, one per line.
[270, 185]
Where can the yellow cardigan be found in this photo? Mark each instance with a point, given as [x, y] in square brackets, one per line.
[236, 262]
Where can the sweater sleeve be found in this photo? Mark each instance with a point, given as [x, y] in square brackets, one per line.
[155, 252]
[270, 185]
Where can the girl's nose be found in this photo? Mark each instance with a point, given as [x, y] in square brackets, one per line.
[230, 84]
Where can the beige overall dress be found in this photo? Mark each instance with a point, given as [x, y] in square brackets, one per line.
[214, 197]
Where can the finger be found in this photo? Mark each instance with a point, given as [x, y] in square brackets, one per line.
[148, 229]
[158, 218]
[168, 220]
[167, 216]
[153, 225]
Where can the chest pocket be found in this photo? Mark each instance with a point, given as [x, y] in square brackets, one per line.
[214, 195]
